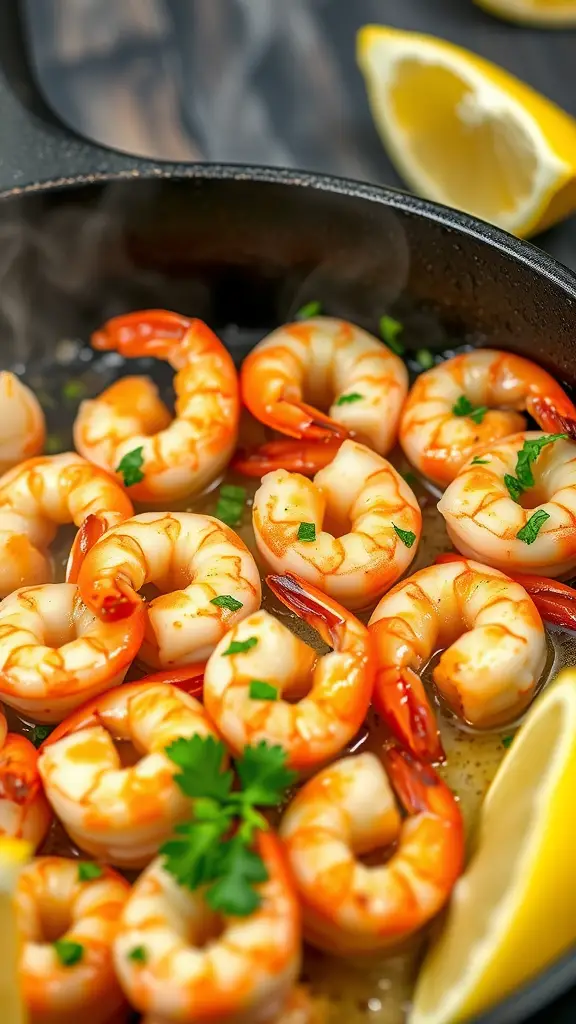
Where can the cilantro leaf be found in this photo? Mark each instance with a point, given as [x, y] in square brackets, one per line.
[191, 856]
[513, 486]
[240, 868]
[139, 955]
[39, 733]
[477, 461]
[68, 953]
[352, 396]
[233, 491]
[389, 331]
[130, 467]
[87, 871]
[506, 741]
[240, 646]
[260, 690]
[306, 532]
[425, 358]
[263, 773]
[203, 774]
[531, 529]
[406, 536]
[226, 601]
[528, 454]
[313, 308]
[463, 407]
[230, 504]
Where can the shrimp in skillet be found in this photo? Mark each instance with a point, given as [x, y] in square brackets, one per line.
[348, 810]
[68, 921]
[207, 578]
[23, 427]
[333, 365]
[24, 810]
[121, 811]
[373, 524]
[470, 401]
[242, 975]
[179, 456]
[263, 683]
[492, 517]
[42, 494]
[55, 654]
[494, 650]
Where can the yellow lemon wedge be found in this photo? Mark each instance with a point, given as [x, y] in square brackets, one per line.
[14, 853]
[514, 909]
[550, 13]
[462, 131]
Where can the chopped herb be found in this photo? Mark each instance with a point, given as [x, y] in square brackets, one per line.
[410, 478]
[406, 536]
[53, 444]
[233, 491]
[528, 454]
[39, 733]
[203, 851]
[138, 954]
[352, 396]
[130, 466]
[230, 506]
[478, 415]
[240, 646]
[74, 389]
[259, 690]
[425, 358]
[530, 531]
[477, 461]
[513, 486]
[226, 601]
[68, 953]
[506, 741]
[313, 308]
[463, 407]
[306, 532]
[389, 330]
[87, 871]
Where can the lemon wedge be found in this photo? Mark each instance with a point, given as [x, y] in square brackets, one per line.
[551, 13]
[514, 909]
[14, 853]
[464, 132]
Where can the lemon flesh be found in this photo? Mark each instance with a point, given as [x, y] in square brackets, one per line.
[552, 13]
[464, 132]
[14, 853]
[514, 910]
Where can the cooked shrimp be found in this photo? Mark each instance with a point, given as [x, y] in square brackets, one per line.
[335, 365]
[194, 560]
[261, 667]
[374, 519]
[472, 400]
[200, 967]
[55, 654]
[121, 811]
[68, 926]
[42, 494]
[180, 456]
[24, 810]
[533, 532]
[496, 650]
[348, 810]
[23, 427]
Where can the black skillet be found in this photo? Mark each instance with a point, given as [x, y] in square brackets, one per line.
[243, 247]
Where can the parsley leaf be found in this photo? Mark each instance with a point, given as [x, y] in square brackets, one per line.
[530, 531]
[463, 407]
[87, 871]
[130, 467]
[506, 741]
[406, 536]
[240, 646]
[389, 330]
[260, 690]
[239, 869]
[313, 308]
[528, 454]
[306, 532]
[190, 856]
[263, 773]
[39, 733]
[425, 358]
[74, 390]
[226, 601]
[352, 396]
[68, 953]
[477, 461]
[230, 504]
[201, 760]
[138, 954]
[513, 486]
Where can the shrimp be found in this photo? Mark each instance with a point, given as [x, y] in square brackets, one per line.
[200, 967]
[179, 456]
[24, 810]
[68, 923]
[54, 653]
[348, 810]
[42, 494]
[496, 650]
[375, 522]
[261, 661]
[23, 427]
[207, 578]
[335, 365]
[485, 522]
[456, 408]
[121, 810]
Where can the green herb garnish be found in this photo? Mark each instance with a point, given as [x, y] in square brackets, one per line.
[352, 396]
[530, 531]
[241, 646]
[39, 733]
[406, 536]
[463, 407]
[53, 444]
[513, 486]
[313, 308]
[74, 389]
[215, 848]
[306, 532]
[130, 466]
[230, 505]
[389, 331]
[410, 477]
[506, 741]
[68, 953]
[425, 358]
[226, 601]
[528, 454]
[88, 871]
[477, 461]
[259, 690]
[138, 954]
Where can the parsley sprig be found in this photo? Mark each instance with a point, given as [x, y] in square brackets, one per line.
[130, 467]
[527, 455]
[215, 848]
[463, 407]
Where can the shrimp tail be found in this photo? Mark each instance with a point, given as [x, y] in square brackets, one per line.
[549, 416]
[304, 422]
[318, 610]
[91, 530]
[19, 779]
[189, 678]
[401, 701]
[419, 788]
[293, 456]
[147, 332]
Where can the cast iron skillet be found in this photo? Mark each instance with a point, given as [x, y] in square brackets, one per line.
[97, 233]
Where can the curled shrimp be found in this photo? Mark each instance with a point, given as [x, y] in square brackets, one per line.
[55, 654]
[338, 367]
[494, 650]
[180, 456]
[485, 522]
[348, 810]
[121, 810]
[207, 578]
[68, 924]
[24, 810]
[201, 967]
[459, 406]
[23, 428]
[42, 494]
[373, 525]
[310, 706]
